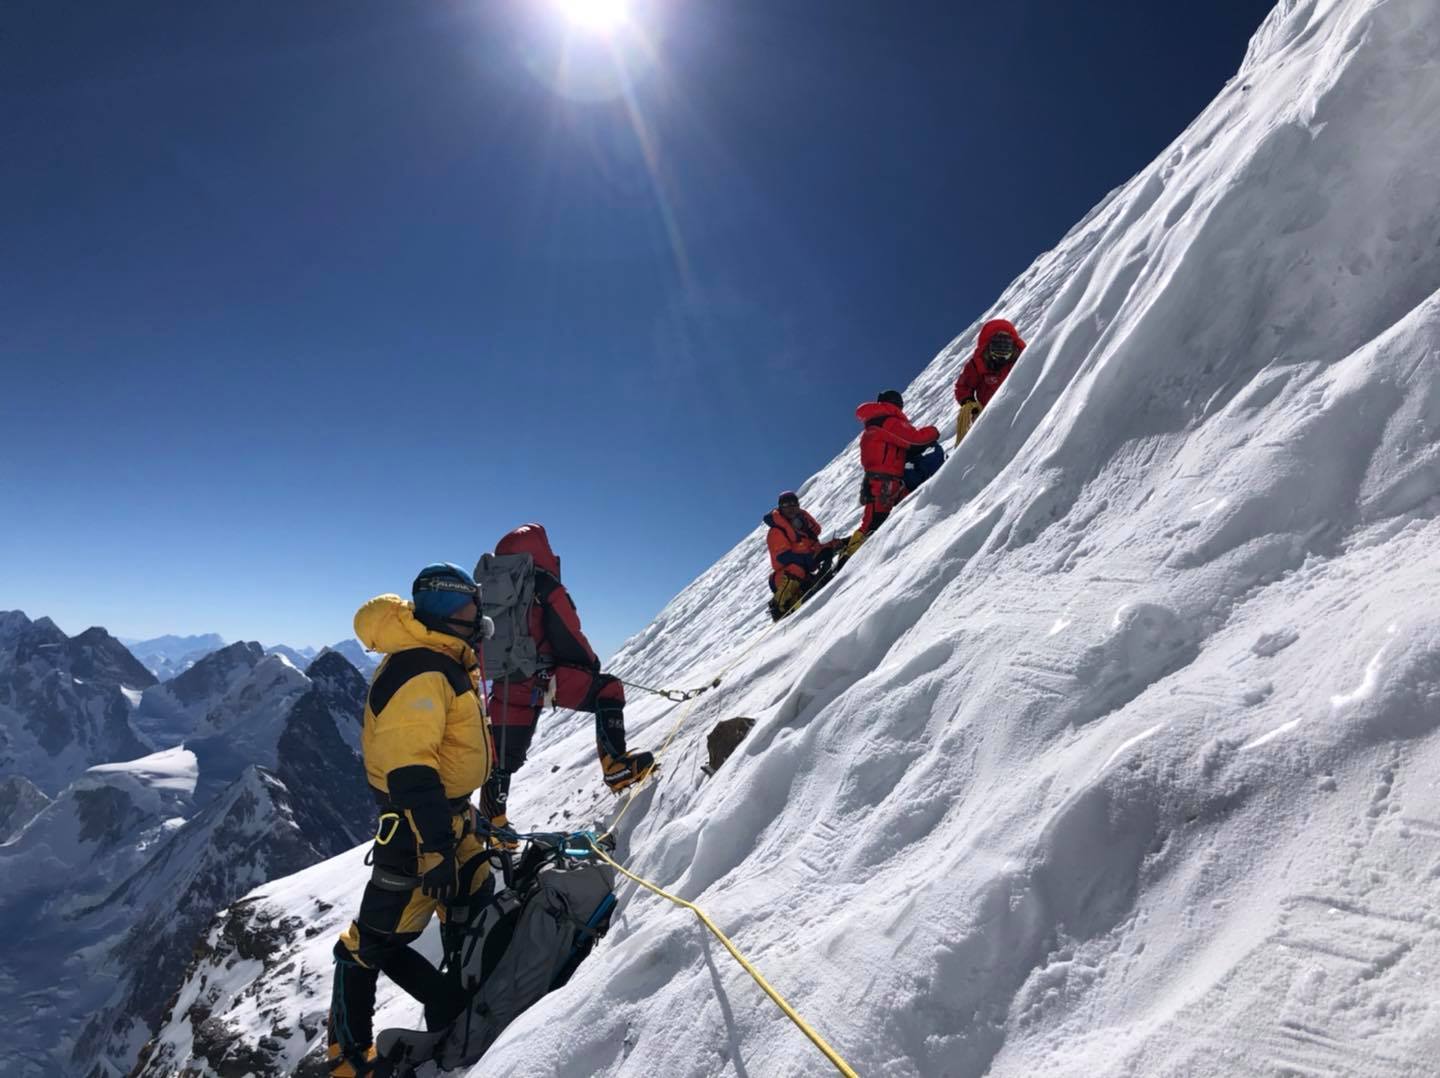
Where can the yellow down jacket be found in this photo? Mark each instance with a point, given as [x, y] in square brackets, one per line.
[427, 715]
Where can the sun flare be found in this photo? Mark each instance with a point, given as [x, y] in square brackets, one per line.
[596, 16]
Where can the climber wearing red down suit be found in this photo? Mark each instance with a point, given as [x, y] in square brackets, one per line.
[570, 677]
[995, 354]
[887, 440]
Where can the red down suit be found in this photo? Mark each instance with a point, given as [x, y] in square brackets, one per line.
[976, 379]
[573, 673]
[887, 436]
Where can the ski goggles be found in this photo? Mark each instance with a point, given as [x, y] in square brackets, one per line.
[1001, 347]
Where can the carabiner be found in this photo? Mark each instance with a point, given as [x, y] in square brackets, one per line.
[383, 837]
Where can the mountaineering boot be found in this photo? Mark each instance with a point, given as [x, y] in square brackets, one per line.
[626, 769]
[349, 1050]
[787, 597]
[356, 1063]
[854, 544]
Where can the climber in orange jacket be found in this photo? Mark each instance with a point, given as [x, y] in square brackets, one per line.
[799, 560]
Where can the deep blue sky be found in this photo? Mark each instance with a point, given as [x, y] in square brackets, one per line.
[298, 295]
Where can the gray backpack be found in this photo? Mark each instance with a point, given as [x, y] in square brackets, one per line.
[507, 591]
[508, 950]
[532, 946]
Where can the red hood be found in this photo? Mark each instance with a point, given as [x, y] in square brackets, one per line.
[531, 539]
[992, 327]
[874, 409]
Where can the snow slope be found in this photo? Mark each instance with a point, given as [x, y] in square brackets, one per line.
[1114, 752]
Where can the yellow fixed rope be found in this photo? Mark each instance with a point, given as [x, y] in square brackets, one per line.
[790, 1012]
[834, 1057]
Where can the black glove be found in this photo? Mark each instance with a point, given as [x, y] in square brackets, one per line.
[441, 880]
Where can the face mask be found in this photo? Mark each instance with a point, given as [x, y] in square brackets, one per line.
[472, 632]
[1000, 351]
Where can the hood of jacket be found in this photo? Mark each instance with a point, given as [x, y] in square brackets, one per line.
[988, 330]
[531, 539]
[387, 624]
[875, 410]
[777, 519]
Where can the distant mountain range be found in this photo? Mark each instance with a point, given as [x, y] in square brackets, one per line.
[65, 701]
[170, 656]
[132, 810]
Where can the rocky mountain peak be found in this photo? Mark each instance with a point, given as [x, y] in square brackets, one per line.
[213, 674]
[333, 672]
[96, 655]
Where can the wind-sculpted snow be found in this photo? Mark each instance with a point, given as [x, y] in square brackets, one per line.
[1113, 752]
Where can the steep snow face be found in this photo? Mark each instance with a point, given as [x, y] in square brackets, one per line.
[100, 830]
[1112, 753]
[95, 833]
[245, 725]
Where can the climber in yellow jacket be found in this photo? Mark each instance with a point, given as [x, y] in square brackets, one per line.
[427, 749]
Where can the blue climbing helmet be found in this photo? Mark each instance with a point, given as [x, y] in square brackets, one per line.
[440, 591]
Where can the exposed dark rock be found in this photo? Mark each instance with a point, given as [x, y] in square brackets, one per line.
[724, 740]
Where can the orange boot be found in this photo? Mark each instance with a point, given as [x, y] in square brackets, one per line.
[356, 1064]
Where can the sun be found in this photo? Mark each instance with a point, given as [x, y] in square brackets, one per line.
[596, 16]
